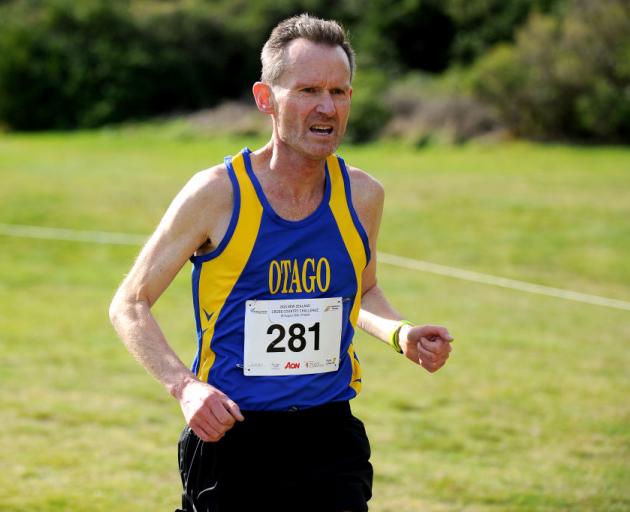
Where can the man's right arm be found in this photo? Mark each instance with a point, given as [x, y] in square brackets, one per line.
[199, 212]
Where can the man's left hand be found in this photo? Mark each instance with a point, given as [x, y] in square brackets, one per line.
[426, 345]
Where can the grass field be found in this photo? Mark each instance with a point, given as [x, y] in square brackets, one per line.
[531, 412]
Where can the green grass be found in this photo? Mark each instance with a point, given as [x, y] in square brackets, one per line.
[531, 412]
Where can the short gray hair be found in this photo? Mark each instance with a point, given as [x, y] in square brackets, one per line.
[317, 30]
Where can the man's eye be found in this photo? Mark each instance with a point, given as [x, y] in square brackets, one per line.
[309, 90]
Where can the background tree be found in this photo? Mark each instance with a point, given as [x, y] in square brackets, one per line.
[551, 68]
[567, 76]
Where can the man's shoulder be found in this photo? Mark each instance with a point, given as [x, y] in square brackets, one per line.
[207, 196]
[365, 187]
[368, 197]
[211, 184]
[210, 178]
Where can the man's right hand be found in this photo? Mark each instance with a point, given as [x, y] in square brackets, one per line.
[209, 412]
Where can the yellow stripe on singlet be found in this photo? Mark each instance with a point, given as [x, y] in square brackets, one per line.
[219, 275]
[356, 250]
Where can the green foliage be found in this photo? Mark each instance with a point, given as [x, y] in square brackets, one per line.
[64, 65]
[410, 34]
[480, 24]
[565, 76]
[431, 35]
[369, 111]
[67, 64]
[198, 60]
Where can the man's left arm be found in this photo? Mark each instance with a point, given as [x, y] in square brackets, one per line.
[426, 345]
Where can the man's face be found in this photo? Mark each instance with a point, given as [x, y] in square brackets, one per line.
[312, 98]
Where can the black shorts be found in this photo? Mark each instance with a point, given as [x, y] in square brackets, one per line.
[309, 460]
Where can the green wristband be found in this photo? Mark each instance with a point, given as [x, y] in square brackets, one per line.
[394, 339]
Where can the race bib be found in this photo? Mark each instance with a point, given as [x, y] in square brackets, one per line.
[292, 336]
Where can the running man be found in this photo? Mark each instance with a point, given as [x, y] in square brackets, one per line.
[283, 245]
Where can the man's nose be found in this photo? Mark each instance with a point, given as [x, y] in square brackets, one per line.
[326, 105]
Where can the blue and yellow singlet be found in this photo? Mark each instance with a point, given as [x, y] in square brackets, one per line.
[264, 257]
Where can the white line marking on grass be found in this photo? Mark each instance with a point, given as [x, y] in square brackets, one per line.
[468, 275]
[72, 235]
[107, 237]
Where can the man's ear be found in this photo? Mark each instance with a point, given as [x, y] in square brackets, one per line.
[264, 97]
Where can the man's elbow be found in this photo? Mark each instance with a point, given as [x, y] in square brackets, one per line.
[115, 310]
[126, 307]
[368, 287]
[120, 307]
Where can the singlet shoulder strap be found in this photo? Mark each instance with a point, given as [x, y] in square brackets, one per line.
[246, 210]
[250, 209]
[343, 209]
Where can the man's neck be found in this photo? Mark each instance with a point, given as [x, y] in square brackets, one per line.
[293, 184]
[297, 174]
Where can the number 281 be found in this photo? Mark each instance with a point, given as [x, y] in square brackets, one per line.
[296, 340]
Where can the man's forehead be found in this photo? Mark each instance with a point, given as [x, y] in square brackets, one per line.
[304, 53]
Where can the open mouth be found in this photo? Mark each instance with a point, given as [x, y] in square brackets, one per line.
[321, 129]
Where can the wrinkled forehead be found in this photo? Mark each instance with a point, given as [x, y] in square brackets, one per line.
[306, 60]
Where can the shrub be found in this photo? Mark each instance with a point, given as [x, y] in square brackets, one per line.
[63, 66]
[369, 113]
[66, 65]
[565, 76]
[480, 24]
[426, 109]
